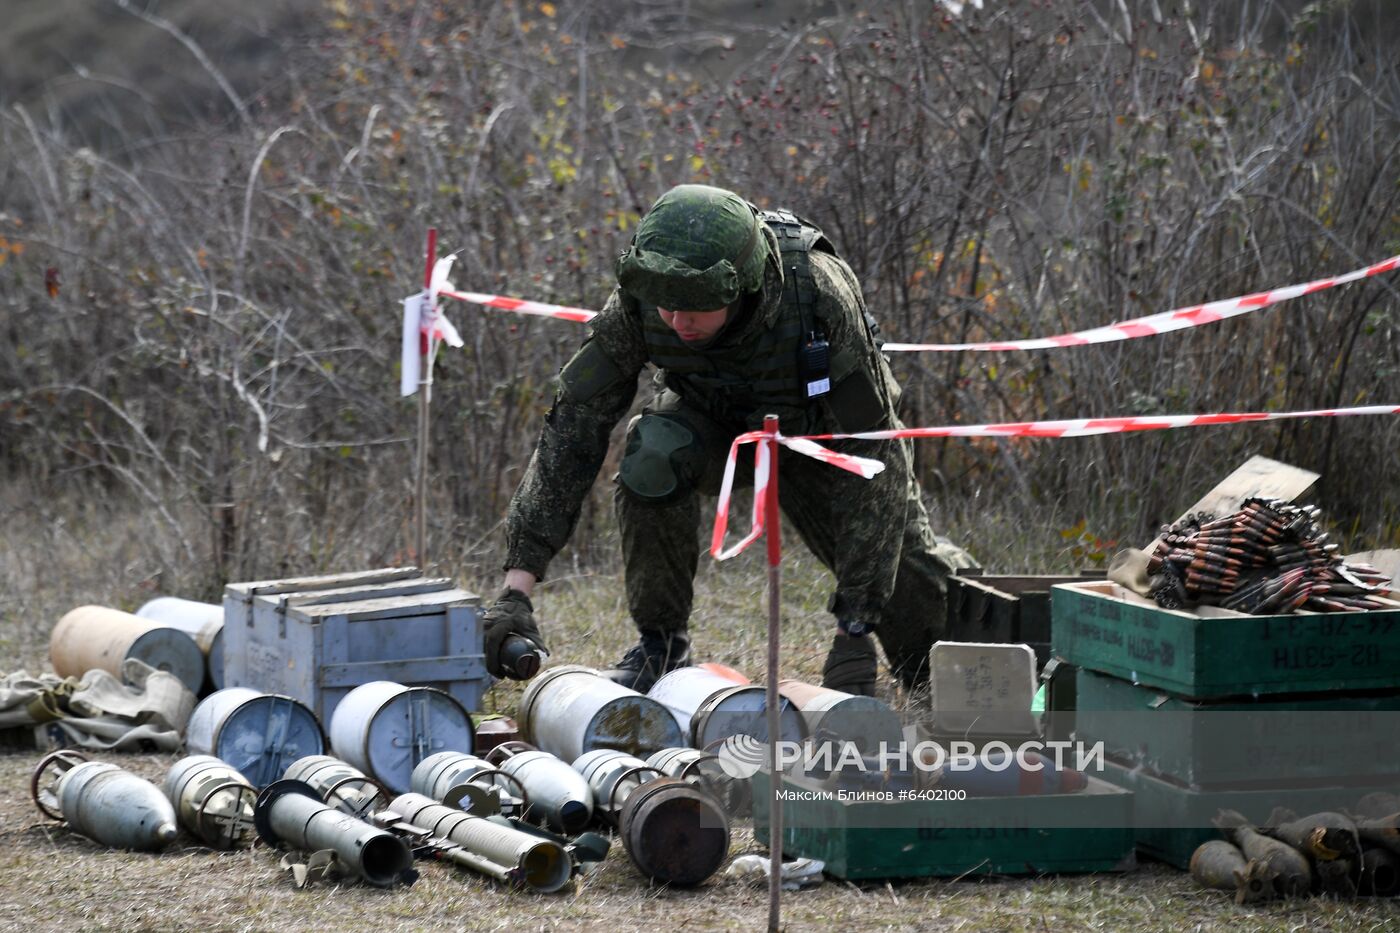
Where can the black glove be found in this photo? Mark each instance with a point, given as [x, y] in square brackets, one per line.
[511, 615]
[850, 665]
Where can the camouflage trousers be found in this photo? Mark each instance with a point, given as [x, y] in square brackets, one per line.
[661, 547]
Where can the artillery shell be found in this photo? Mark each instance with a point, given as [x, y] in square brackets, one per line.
[1337, 878]
[1380, 873]
[1294, 874]
[1323, 836]
[1383, 832]
[1217, 864]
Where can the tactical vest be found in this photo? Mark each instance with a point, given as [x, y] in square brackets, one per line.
[761, 375]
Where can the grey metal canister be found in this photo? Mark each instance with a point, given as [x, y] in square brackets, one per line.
[470, 783]
[98, 638]
[258, 733]
[703, 769]
[836, 716]
[710, 707]
[204, 622]
[674, 832]
[290, 813]
[212, 800]
[387, 729]
[682, 762]
[613, 775]
[107, 804]
[558, 795]
[340, 784]
[503, 853]
[570, 709]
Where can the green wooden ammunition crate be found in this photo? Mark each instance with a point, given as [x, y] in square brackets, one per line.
[1088, 831]
[1293, 739]
[1172, 820]
[1218, 653]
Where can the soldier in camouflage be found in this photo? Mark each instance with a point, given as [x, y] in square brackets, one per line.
[743, 313]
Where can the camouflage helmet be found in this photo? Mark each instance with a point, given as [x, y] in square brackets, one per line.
[698, 249]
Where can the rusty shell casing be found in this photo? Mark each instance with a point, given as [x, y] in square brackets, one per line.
[1336, 878]
[1257, 882]
[212, 801]
[508, 855]
[1381, 832]
[674, 832]
[1323, 836]
[1214, 864]
[97, 638]
[1294, 874]
[1380, 873]
[1376, 805]
[290, 813]
[864, 721]
[116, 808]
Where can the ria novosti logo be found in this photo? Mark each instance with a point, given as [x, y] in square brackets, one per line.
[742, 756]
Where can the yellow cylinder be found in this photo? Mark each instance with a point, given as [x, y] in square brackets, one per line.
[98, 638]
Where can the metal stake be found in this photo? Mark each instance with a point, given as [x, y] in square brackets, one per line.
[425, 388]
[775, 803]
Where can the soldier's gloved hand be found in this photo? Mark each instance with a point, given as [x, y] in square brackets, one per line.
[511, 614]
[850, 664]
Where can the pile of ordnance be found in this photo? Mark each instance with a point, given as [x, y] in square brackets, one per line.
[405, 775]
[1269, 558]
[520, 815]
[1335, 854]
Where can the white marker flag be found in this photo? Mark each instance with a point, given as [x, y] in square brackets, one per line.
[412, 342]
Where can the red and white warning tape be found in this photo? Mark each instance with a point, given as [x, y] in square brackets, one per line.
[521, 306]
[863, 466]
[1163, 322]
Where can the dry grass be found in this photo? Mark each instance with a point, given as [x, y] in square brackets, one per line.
[57, 880]
[58, 554]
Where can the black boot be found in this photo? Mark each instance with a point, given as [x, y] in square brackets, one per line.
[658, 653]
[850, 665]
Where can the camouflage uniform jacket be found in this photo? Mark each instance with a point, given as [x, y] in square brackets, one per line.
[574, 441]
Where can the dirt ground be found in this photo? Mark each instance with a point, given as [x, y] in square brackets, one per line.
[54, 879]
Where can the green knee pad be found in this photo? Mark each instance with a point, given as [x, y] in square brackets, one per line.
[662, 461]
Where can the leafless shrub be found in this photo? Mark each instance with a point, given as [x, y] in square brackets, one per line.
[208, 320]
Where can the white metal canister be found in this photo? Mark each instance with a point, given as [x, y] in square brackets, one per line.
[387, 729]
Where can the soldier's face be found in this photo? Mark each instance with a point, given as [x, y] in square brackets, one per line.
[695, 326]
